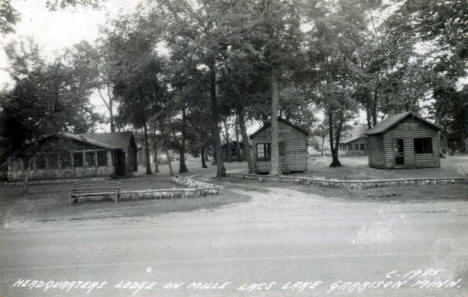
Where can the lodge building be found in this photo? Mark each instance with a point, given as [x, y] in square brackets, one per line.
[64, 156]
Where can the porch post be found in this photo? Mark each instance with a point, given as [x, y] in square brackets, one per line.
[95, 163]
[72, 164]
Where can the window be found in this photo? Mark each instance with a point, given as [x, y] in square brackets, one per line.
[234, 152]
[90, 159]
[102, 158]
[65, 158]
[52, 161]
[356, 146]
[363, 148]
[263, 151]
[350, 147]
[423, 145]
[282, 149]
[78, 159]
[41, 161]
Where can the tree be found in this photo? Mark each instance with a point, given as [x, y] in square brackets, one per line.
[337, 32]
[441, 29]
[201, 28]
[277, 29]
[9, 16]
[47, 98]
[138, 75]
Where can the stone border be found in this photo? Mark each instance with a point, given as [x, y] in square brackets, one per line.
[349, 184]
[193, 183]
[195, 189]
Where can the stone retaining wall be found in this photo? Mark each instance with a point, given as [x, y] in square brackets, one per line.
[192, 183]
[195, 189]
[350, 184]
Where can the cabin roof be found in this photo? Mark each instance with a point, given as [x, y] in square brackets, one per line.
[232, 143]
[357, 132]
[394, 120]
[119, 140]
[300, 129]
[351, 139]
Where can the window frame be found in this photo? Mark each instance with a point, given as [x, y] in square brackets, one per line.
[423, 145]
[80, 158]
[90, 159]
[41, 160]
[99, 164]
[65, 162]
[265, 150]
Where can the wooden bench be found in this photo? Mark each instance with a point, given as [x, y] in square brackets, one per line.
[94, 189]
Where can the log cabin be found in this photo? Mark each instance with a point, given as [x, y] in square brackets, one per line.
[64, 156]
[354, 142]
[405, 140]
[229, 152]
[292, 147]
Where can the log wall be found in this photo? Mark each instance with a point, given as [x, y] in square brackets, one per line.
[382, 151]
[295, 142]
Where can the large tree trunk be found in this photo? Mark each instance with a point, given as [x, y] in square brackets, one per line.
[111, 115]
[147, 152]
[207, 152]
[166, 150]
[275, 161]
[169, 161]
[246, 142]
[374, 108]
[368, 115]
[203, 157]
[182, 165]
[334, 149]
[155, 147]
[220, 170]
[237, 141]
[111, 109]
[323, 143]
[27, 164]
[228, 143]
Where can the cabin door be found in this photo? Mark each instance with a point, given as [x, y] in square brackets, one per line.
[119, 163]
[399, 152]
[282, 157]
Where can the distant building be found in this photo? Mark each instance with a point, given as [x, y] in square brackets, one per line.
[292, 147]
[84, 155]
[229, 152]
[405, 140]
[354, 142]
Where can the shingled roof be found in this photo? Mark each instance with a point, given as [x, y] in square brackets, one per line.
[355, 133]
[117, 140]
[392, 121]
[300, 129]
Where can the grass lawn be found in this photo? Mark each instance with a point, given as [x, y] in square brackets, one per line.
[403, 194]
[50, 202]
[356, 167]
[47, 203]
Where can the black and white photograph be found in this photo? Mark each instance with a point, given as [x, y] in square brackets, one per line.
[234, 148]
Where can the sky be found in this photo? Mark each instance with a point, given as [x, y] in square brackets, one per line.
[54, 31]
